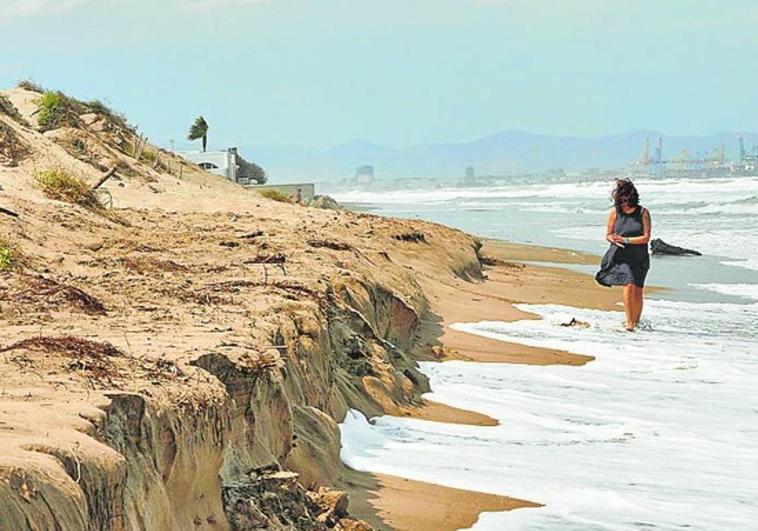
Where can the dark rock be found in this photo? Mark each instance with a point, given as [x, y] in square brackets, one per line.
[413, 236]
[659, 247]
[574, 322]
[324, 201]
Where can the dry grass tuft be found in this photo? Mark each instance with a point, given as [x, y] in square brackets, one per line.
[276, 195]
[7, 108]
[68, 345]
[145, 265]
[42, 293]
[59, 184]
[91, 356]
[28, 84]
[12, 148]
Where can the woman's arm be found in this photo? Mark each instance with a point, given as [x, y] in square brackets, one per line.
[610, 230]
[646, 230]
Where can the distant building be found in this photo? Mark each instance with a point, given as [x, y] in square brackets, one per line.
[469, 177]
[223, 163]
[364, 174]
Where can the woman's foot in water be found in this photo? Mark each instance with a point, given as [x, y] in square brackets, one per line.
[630, 326]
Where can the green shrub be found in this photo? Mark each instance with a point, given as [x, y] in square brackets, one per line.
[276, 195]
[149, 155]
[53, 107]
[59, 184]
[7, 258]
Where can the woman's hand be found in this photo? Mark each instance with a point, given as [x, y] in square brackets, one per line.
[616, 240]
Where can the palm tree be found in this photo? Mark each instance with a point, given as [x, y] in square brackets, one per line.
[199, 130]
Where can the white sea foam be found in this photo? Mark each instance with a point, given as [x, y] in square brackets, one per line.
[660, 430]
[746, 291]
[748, 263]
[560, 190]
[655, 191]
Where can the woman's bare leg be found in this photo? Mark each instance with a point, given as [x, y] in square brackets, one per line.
[629, 306]
[639, 303]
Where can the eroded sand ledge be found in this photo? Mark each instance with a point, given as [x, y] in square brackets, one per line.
[408, 504]
[184, 365]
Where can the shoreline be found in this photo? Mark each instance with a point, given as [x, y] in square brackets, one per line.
[390, 502]
[394, 503]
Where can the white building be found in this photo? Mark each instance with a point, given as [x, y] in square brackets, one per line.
[223, 163]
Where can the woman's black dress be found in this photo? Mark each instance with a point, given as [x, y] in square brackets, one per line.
[628, 265]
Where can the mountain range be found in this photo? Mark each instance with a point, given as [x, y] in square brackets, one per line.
[509, 152]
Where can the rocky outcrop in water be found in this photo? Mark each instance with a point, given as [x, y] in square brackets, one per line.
[659, 247]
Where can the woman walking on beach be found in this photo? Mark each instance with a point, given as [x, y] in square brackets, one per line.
[627, 261]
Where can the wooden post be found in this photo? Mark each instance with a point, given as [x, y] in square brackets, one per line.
[110, 173]
[141, 147]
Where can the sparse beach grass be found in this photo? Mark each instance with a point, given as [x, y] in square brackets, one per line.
[276, 195]
[28, 84]
[7, 256]
[53, 107]
[59, 184]
[62, 185]
[57, 110]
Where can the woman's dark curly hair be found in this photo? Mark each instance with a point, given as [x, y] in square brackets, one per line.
[625, 192]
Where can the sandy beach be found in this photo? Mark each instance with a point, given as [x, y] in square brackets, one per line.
[236, 332]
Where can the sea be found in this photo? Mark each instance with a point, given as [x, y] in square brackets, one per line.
[660, 431]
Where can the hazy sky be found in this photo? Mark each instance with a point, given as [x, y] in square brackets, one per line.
[397, 72]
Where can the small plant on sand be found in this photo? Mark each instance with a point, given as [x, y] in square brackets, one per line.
[7, 256]
[276, 195]
[53, 107]
[149, 155]
[98, 107]
[28, 84]
[59, 184]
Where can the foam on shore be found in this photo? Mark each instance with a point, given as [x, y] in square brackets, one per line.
[660, 430]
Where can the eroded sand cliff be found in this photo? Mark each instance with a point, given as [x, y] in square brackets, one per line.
[182, 361]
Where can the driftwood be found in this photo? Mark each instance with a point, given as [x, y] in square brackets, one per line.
[337, 246]
[659, 247]
[412, 236]
[7, 212]
[110, 173]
